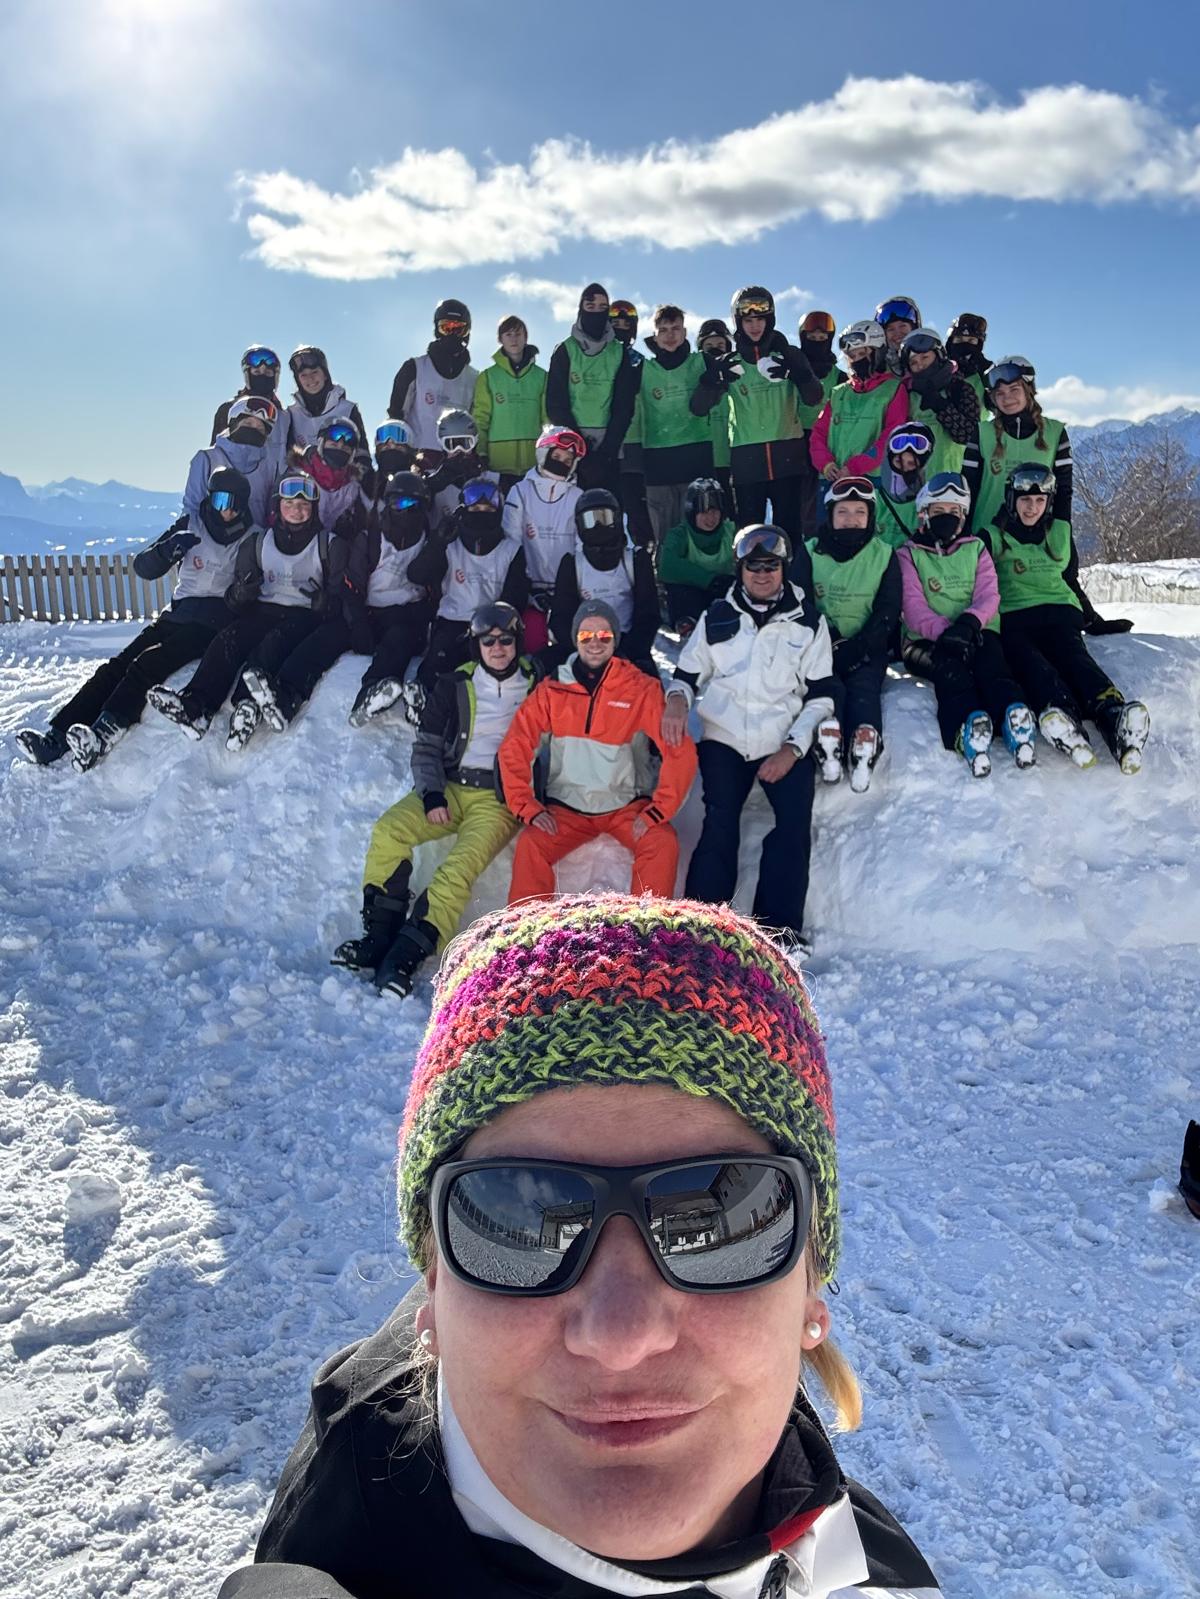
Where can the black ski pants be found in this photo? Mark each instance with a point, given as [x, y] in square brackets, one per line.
[858, 695]
[397, 633]
[980, 681]
[449, 646]
[119, 686]
[688, 599]
[1046, 651]
[265, 636]
[727, 779]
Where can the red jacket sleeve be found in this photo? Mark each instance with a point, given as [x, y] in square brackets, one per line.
[517, 751]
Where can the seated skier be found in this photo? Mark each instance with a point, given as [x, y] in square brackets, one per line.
[454, 795]
[856, 585]
[695, 559]
[950, 612]
[110, 702]
[1041, 623]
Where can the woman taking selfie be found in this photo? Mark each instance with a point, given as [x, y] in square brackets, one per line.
[618, 1177]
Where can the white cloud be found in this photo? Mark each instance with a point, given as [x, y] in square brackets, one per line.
[854, 157]
[1073, 400]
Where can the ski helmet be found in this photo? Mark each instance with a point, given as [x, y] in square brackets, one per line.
[898, 308]
[404, 518]
[762, 538]
[404, 491]
[623, 317]
[498, 617]
[255, 405]
[452, 320]
[753, 300]
[478, 515]
[818, 322]
[967, 325]
[1029, 477]
[392, 431]
[852, 487]
[306, 356]
[914, 436]
[555, 438]
[258, 358]
[596, 510]
[702, 494]
[1008, 369]
[918, 342]
[862, 335]
[227, 490]
[714, 328]
[292, 538]
[457, 433]
[342, 430]
[945, 491]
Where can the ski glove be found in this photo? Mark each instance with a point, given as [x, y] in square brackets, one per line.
[179, 545]
[1106, 624]
[796, 366]
[961, 638]
[314, 594]
[243, 592]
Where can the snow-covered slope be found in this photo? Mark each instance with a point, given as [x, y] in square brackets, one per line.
[199, 1118]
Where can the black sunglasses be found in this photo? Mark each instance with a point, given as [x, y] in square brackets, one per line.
[713, 1224]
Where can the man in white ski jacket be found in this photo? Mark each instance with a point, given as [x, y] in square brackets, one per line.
[759, 668]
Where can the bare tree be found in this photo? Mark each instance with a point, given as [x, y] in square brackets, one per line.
[1137, 501]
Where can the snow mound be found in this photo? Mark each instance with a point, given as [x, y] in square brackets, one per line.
[1168, 582]
[198, 1120]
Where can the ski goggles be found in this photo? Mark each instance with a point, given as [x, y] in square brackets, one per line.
[392, 433]
[493, 641]
[298, 488]
[222, 500]
[622, 311]
[341, 433]
[595, 635]
[919, 342]
[970, 326]
[859, 488]
[897, 311]
[480, 492]
[598, 516]
[451, 327]
[916, 442]
[307, 363]
[459, 444]
[755, 308]
[715, 1224]
[818, 322]
[257, 360]
[764, 542]
[1009, 372]
[402, 502]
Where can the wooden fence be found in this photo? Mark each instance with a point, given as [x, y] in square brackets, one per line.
[77, 588]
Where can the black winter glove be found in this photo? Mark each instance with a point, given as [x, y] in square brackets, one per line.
[961, 638]
[243, 592]
[180, 544]
[542, 601]
[314, 594]
[797, 366]
[1107, 624]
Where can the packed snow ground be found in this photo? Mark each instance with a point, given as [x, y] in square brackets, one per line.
[198, 1127]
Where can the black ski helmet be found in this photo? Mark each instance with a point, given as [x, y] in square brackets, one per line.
[968, 324]
[753, 296]
[308, 355]
[404, 517]
[702, 494]
[623, 319]
[292, 538]
[501, 617]
[764, 537]
[1029, 477]
[452, 311]
[714, 328]
[224, 480]
[597, 510]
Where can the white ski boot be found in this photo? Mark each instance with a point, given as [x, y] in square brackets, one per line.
[243, 725]
[170, 703]
[974, 743]
[1065, 733]
[265, 695]
[1133, 729]
[1020, 730]
[414, 701]
[829, 751]
[864, 752]
[375, 698]
[89, 745]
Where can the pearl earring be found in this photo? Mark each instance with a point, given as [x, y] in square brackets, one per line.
[426, 1339]
[813, 1329]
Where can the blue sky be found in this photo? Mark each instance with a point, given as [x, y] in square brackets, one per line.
[197, 175]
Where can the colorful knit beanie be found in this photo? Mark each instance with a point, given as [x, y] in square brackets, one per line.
[609, 988]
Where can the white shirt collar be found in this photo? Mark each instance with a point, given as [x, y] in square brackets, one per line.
[827, 1558]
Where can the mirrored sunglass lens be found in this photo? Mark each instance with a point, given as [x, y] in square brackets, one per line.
[221, 500]
[722, 1222]
[517, 1226]
[261, 358]
[588, 635]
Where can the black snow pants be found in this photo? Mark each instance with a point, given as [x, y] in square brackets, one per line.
[119, 686]
[858, 695]
[980, 681]
[1045, 649]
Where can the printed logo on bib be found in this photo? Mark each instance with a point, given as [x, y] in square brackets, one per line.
[500, 398]
[744, 391]
[935, 584]
[460, 576]
[1019, 567]
[198, 562]
[819, 590]
[576, 377]
[657, 393]
[429, 397]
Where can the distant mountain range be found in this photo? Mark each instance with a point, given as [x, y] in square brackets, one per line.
[74, 516]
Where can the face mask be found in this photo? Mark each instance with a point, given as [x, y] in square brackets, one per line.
[396, 458]
[603, 548]
[262, 383]
[403, 528]
[820, 355]
[593, 323]
[477, 524]
[219, 530]
[559, 469]
[334, 457]
[861, 369]
[967, 357]
[943, 526]
[247, 433]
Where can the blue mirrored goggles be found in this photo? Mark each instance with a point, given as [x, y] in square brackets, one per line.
[341, 433]
[896, 311]
[257, 359]
[480, 492]
[1007, 372]
[222, 500]
[392, 433]
[298, 488]
[916, 442]
[402, 502]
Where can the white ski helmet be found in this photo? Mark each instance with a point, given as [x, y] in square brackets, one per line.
[556, 438]
[456, 431]
[944, 491]
[862, 335]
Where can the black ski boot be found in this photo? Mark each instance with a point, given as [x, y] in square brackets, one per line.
[43, 749]
[1189, 1169]
[414, 944]
[383, 916]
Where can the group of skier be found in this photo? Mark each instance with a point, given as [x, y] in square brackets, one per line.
[523, 533]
